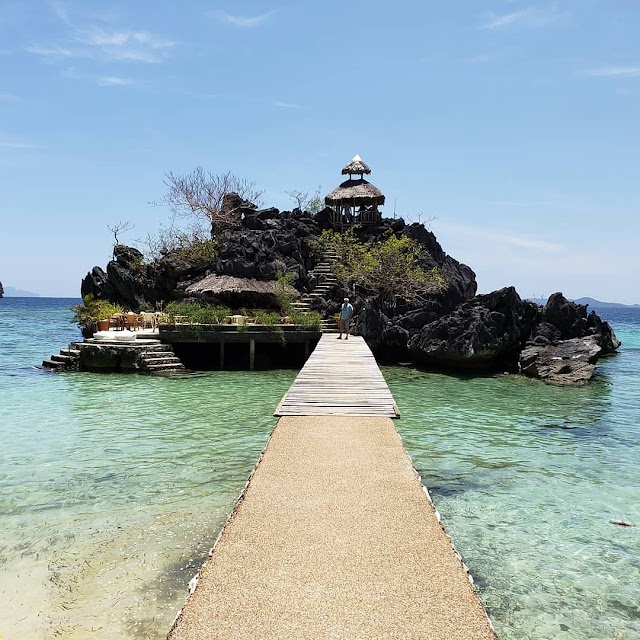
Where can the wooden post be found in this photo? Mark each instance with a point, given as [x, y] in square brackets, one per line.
[221, 355]
[306, 349]
[252, 353]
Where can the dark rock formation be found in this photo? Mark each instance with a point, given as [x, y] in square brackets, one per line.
[409, 316]
[569, 362]
[1, 290]
[485, 333]
[564, 348]
[268, 244]
[452, 328]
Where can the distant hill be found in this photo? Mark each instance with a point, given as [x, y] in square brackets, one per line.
[598, 304]
[593, 303]
[12, 292]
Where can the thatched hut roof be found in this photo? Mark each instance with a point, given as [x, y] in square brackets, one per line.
[357, 165]
[216, 285]
[358, 192]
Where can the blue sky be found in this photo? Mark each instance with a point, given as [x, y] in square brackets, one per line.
[513, 124]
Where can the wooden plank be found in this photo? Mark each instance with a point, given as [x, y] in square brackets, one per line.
[339, 378]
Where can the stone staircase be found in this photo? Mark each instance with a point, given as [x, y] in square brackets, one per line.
[67, 360]
[161, 359]
[153, 356]
[322, 273]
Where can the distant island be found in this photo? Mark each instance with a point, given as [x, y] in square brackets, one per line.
[12, 292]
[593, 303]
[598, 304]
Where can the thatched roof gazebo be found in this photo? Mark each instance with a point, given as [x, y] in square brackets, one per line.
[355, 200]
[239, 292]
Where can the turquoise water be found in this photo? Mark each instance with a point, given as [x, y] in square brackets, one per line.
[113, 487]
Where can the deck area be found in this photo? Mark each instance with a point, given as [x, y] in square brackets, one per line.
[341, 378]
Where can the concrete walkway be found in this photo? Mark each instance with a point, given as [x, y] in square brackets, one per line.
[334, 539]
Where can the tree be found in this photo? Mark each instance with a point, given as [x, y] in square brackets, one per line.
[389, 268]
[306, 201]
[120, 227]
[200, 196]
[299, 198]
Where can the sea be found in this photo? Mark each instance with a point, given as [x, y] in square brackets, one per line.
[113, 487]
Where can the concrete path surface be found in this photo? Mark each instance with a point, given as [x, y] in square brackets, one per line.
[334, 538]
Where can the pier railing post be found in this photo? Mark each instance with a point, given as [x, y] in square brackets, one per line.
[252, 353]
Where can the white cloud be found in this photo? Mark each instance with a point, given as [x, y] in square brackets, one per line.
[135, 46]
[114, 81]
[60, 10]
[531, 17]
[499, 238]
[287, 105]
[50, 52]
[9, 142]
[123, 38]
[243, 22]
[613, 72]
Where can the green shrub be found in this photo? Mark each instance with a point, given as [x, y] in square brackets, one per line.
[390, 267]
[311, 320]
[91, 310]
[285, 292]
[267, 318]
[197, 313]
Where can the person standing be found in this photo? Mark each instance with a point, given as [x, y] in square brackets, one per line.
[345, 318]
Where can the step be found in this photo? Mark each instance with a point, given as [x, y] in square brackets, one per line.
[165, 367]
[52, 364]
[70, 352]
[150, 361]
[61, 358]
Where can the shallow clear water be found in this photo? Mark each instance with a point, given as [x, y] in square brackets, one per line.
[113, 487]
[527, 477]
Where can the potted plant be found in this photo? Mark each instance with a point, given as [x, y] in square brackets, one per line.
[91, 313]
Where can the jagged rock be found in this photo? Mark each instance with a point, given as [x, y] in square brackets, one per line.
[370, 322]
[1, 290]
[568, 317]
[603, 333]
[96, 283]
[461, 279]
[545, 334]
[570, 320]
[266, 246]
[487, 332]
[569, 362]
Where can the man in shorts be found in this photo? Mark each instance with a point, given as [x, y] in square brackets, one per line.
[345, 318]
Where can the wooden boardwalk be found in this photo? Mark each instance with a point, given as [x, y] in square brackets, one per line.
[341, 378]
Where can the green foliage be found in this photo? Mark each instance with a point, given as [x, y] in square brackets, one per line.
[91, 310]
[390, 267]
[198, 252]
[316, 201]
[285, 292]
[267, 318]
[195, 313]
[311, 320]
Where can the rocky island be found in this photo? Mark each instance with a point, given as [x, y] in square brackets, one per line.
[437, 322]
[1, 290]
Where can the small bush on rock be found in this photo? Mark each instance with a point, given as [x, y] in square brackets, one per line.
[389, 268]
